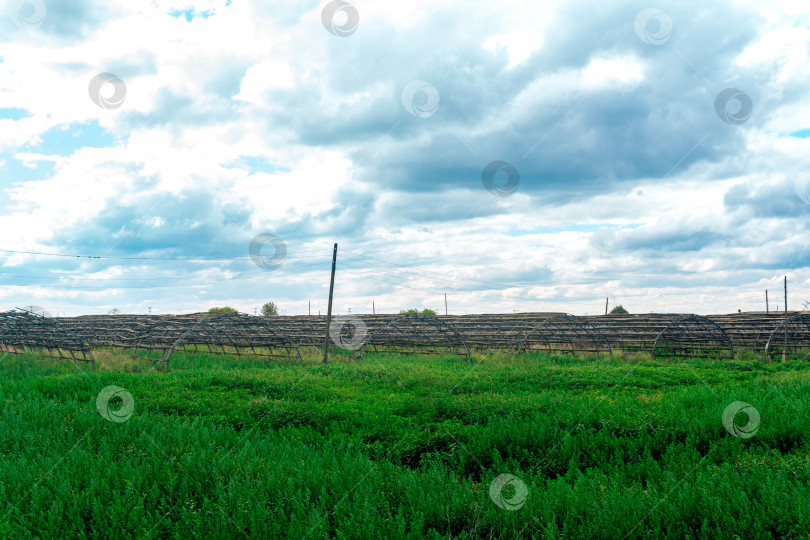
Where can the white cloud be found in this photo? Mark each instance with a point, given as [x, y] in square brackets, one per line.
[203, 94]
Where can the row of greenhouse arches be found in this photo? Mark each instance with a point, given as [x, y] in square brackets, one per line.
[690, 336]
[157, 338]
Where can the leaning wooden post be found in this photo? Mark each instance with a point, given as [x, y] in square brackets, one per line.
[329, 307]
[784, 353]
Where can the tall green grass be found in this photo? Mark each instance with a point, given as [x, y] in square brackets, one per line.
[225, 447]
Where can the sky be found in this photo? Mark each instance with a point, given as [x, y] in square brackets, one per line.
[168, 156]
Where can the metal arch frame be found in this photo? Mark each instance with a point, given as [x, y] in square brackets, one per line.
[585, 327]
[56, 341]
[483, 332]
[222, 331]
[150, 331]
[761, 336]
[702, 322]
[629, 324]
[245, 322]
[802, 318]
[39, 341]
[433, 321]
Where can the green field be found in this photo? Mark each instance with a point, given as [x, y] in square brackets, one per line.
[404, 447]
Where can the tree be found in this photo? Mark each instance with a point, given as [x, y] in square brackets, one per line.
[414, 311]
[114, 311]
[269, 309]
[225, 309]
[618, 309]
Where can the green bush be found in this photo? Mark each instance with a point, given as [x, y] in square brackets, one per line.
[414, 311]
[225, 309]
[269, 309]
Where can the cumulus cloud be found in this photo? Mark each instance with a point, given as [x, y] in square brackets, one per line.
[633, 179]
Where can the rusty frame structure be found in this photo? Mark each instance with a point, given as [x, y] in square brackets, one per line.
[245, 335]
[566, 334]
[22, 330]
[796, 332]
[693, 336]
[234, 334]
[417, 334]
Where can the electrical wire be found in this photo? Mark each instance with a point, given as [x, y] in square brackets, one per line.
[452, 278]
[284, 269]
[322, 264]
[142, 258]
[518, 296]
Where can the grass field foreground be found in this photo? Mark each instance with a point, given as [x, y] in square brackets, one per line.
[405, 447]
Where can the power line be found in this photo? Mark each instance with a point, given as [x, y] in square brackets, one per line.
[556, 298]
[452, 278]
[140, 258]
[344, 265]
[284, 270]
[118, 279]
[68, 287]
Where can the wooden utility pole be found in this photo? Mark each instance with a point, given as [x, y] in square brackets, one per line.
[606, 304]
[445, 303]
[309, 307]
[329, 307]
[766, 302]
[784, 353]
[373, 308]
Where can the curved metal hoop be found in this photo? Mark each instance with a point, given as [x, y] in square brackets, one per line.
[420, 334]
[21, 329]
[237, 334]
[797, 330]
[691, 334]
[565, 333]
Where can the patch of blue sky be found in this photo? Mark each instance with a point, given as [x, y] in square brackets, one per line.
[13, 114]
[803, 133]
[64, 140]
[192, 13]
[255, 164]
[14, 170]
